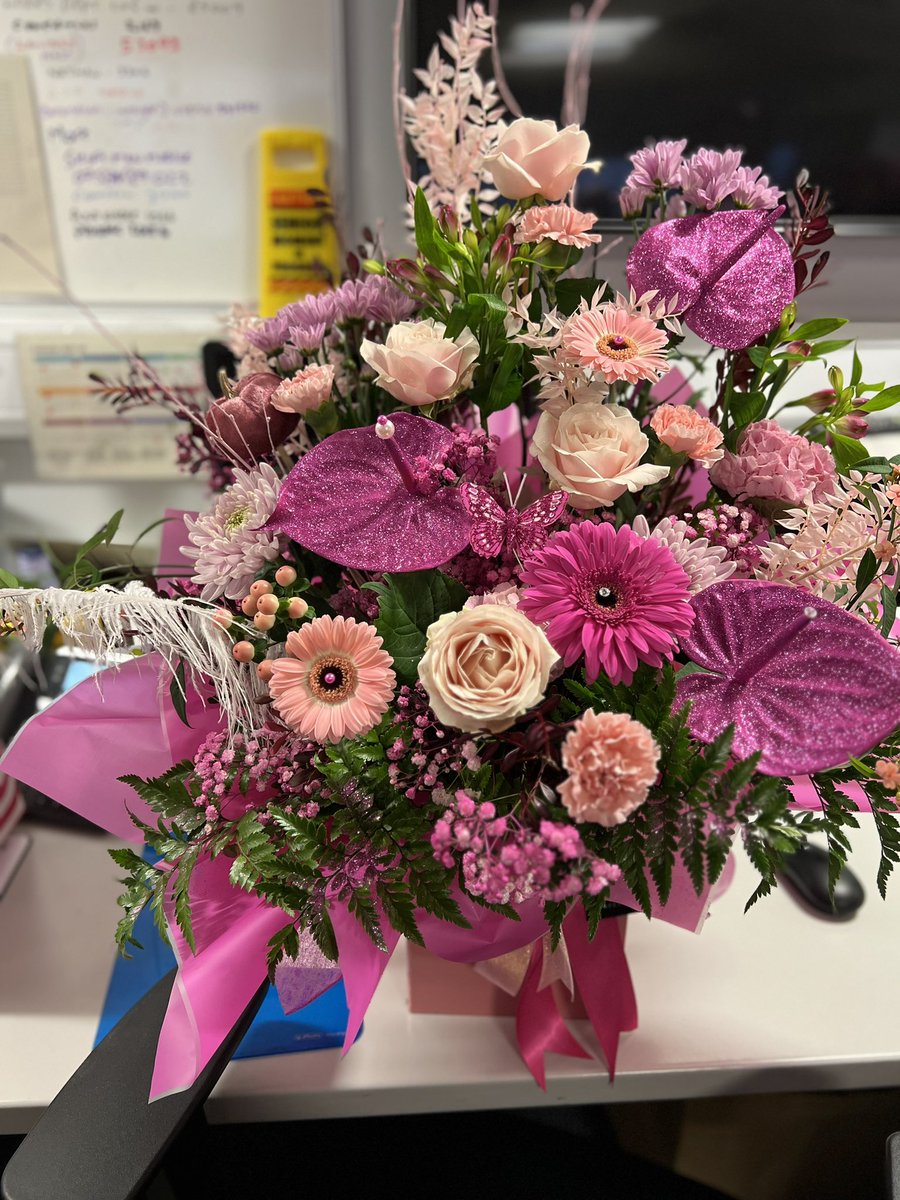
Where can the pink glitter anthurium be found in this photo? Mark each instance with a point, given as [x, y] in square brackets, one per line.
[335, 680]
[360, 498]
[609, 595]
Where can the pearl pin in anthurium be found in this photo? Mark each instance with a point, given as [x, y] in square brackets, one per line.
[359, 499]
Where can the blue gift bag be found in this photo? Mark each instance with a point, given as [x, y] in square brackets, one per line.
[321, 1024]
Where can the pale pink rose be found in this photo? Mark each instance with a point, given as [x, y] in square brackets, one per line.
[774, 465]
[611, 760]
[306, 391]
[593, 451]
[418, 365]
[485, 667]
[685, 431]
[558, 223]
[504, 593]
[534, 158]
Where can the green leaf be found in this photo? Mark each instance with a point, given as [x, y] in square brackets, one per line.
[570, 293]
[178, 693]
[408, 604]
[8, 580]
[885, 399]
[848, 452]
[856, 376]
[506, 385]
[181, 894]
[874, 465]
[818, 328]
[758, 355]
[428, 236]
[888, 609]
[747, 407]
[491, 305]
[866, 571]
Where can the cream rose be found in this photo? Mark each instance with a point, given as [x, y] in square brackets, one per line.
[535, 158]
[418, 365]
[593, 451]
[484, 667]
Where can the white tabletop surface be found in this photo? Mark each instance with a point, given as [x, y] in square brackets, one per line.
[775, 1000]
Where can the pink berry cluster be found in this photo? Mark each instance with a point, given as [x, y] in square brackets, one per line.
[737, 527]
[266, 604]
[424, 749]
[505, 863]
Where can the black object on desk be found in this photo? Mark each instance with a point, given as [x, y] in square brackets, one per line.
[805, 873]
[25, 686]
[100, 1139]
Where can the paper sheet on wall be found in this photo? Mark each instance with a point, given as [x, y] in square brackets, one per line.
[24, 201]
[75, 433]
[151, 110]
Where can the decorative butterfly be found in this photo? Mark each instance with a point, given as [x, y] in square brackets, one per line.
[494, 527]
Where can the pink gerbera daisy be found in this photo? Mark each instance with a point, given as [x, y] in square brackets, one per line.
[335, 682]
[610, 595]
[617, 343]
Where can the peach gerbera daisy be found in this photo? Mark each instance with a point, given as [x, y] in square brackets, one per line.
[616, 343]
[334, 682]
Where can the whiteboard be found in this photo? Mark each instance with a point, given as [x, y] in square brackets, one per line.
[150, 112]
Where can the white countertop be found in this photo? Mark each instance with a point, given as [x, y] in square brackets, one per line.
[774, 1000]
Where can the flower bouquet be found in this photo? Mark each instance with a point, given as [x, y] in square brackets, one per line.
[492, 627]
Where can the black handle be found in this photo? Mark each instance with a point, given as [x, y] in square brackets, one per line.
[100, 1139]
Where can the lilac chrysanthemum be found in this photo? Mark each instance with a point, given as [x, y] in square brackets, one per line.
[702, 563]
[372, 298]
[229, 547]
[610, 595]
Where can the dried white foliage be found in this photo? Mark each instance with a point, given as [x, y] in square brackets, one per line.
[108, 621]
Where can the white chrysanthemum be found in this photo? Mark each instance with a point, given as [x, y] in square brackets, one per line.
[702, 563]
[227, 543]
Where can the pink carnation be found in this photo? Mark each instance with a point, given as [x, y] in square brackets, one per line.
[558, 222]
[685, 431]
[306, 391]
[611, 760]
[773, 464]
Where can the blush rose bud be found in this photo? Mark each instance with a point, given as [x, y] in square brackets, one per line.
[418, 365]
[534, 158]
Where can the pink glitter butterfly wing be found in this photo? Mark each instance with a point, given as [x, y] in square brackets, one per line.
[489, 523]
[529, 531]
[807, 695]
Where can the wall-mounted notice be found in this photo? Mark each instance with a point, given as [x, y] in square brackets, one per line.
[150, 111]
[24, 202]
[75, 433]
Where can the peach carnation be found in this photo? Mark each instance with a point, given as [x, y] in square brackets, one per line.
[306, 391]
[685, 431]
[558, 223]
[611, 762]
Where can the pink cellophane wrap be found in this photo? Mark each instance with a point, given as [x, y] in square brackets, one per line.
[76, 749]
[128, 726]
